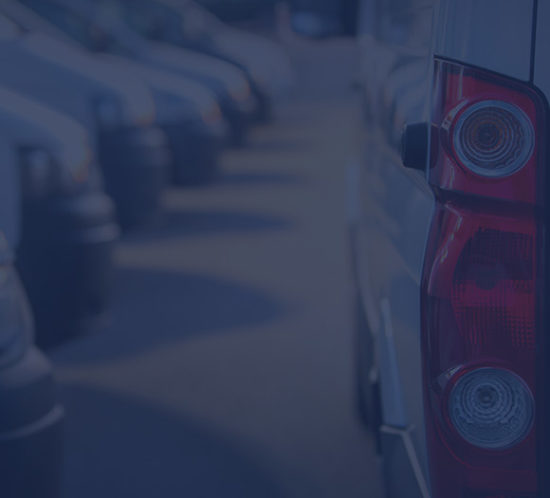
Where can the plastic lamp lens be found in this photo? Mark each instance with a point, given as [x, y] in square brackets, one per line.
[241, 92]
[494, 138]
[491, 408]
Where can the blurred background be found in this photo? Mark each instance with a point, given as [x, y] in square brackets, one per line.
[174, 219]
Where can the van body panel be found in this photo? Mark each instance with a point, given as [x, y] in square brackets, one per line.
[396, 209]
[27, 123]
[398, 41]
[470, 32]
[70, 79]
[215, 73]
[542, 49]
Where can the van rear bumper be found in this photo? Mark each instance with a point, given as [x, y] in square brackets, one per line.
[31, 430]
[401, 460]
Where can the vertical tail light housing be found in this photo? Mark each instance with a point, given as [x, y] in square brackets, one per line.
[482, 285]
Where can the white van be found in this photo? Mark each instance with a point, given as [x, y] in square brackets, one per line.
[31, 418]
[186, 111]
[449, 232]
[66, 239]
[117, 109]
[31, 421]
[108, 18]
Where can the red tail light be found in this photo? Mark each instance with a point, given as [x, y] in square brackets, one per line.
[482, 285]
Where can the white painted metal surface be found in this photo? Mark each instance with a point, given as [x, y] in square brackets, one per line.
[70, 79]
[493, 34]
[542, 48]
[398, 40]
[396, 203]
[27, 123]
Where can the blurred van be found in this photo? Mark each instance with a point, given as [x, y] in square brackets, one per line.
[108, 19]
[449, 215]
[31, 418]
[68, 224]
[189, 25]
[116, 109]
[254, 12]
[185, 110]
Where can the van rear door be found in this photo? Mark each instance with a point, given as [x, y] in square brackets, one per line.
[541, 79]
[488, 160]
[541, 50]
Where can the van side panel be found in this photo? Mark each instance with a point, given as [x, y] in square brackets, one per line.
[542, 49]
[493, 34]
[396, 212]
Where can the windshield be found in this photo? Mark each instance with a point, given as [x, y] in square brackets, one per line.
[8, 29]
[82, 30]
[197, 18]
[158, 20]
[150, 18]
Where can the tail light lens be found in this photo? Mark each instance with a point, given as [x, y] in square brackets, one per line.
[491, 408]
[493, 138]
[482, 285]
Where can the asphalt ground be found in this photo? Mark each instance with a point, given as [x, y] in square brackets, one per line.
[224, 368]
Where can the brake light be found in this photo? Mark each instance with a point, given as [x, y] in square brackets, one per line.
[482, 285]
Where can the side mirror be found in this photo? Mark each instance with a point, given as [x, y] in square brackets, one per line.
[324, 18]
[414, 146]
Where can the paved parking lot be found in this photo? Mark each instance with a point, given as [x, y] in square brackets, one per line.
[224, 368]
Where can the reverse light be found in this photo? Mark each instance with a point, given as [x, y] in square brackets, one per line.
[491, 408]
[44, 174]
[241, 91]
[212, 114]
[493, 138]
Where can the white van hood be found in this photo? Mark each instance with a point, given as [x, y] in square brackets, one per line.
[27, 123]
[187, 62]
[69, 80]
[197, 98]
[134, 95]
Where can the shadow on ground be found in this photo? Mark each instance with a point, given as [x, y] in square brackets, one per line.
[172, 307]
[136, 450]
[261, 179]
[280, 146]
[180, 222]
